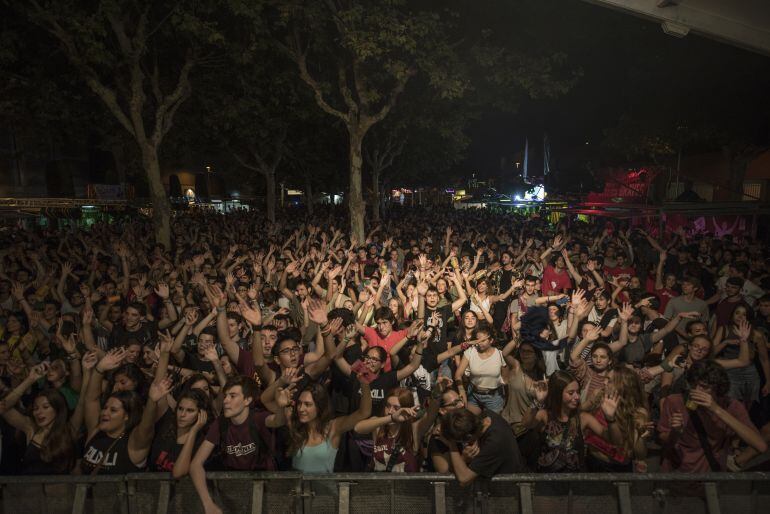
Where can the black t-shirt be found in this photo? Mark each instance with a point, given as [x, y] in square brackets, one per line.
[437, 342]
[195, 363]
[498, 449]
[435, 446]
[120, 336]
[341, 388]
[379, 387]
[165, 450]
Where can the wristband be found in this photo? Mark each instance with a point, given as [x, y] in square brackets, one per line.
[465, 346]
[221, 309]
[98, 371]
[667, 367]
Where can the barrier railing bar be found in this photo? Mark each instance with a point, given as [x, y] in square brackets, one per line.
[257, 494]
[79, 503]
[624, 497]
[164, 496]
[439, 497]
[712, 498]
[525, 498]
[353, 477]
[131, 496]
[343, 504]
[392, 495]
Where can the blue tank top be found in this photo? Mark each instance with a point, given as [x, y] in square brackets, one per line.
[315, 459]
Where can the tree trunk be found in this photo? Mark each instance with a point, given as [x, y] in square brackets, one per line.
[356, 204]
[375, 196]
[161, 210]
[270, 194]
[737, 164]
[309, 194]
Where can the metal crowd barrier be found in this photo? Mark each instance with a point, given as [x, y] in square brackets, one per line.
[374, 493]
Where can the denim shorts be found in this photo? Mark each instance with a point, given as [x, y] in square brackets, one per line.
[494, 400]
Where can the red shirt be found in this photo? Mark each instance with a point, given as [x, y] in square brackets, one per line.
[626, 272]
[555, 282]
[373, 338]
[665, 296]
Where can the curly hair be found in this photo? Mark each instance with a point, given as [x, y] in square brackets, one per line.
[711, 373]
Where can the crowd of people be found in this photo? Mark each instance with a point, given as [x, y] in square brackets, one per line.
[465, 342]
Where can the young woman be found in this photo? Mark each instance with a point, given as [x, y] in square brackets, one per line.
[112, 444]
[397, 433]
[49, 434]
[485, 364]
[744, 381]
[556, 416]
[482, 301]
[632, 421]
[314, 437]
[525, 368]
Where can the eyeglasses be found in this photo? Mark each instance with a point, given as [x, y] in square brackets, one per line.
[290, 351]
[371, 359]
[456, 402]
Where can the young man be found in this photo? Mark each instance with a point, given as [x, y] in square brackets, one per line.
[383, 336]
[241, 435]
[556, 279]
[498, 451]
[721, 419]
[687, 302]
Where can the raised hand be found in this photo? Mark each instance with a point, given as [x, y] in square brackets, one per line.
[89, 360]
[218, 297]
[283, 397]
[113, 359]
[404, 414]
[541, 391]
[209, 351]
[162, 290]
[39, 371]
[610, 404]
[160, 389]
[593, 333]
[316, 310]
[744, 330]
[191, 317]
[626, 312]
[203, 417]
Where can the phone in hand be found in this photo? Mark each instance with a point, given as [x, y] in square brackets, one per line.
[363, 372]
[562, 301]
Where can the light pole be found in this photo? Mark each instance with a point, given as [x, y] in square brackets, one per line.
[208, 182]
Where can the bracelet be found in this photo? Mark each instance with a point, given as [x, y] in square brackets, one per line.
[221, 309]
[667, 367]
[418, 353]
[97, 370]
[609, 420]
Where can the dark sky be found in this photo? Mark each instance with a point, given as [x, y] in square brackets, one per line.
[628, 63]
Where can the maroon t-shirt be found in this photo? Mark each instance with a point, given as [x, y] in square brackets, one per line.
[241, 452]
[555, 282]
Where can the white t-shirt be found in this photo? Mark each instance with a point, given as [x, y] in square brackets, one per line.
[485, 373]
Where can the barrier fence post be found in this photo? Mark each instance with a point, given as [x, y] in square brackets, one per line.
[712, 498]
[624, 497]
[439, 497]
[164, 496]
[343, 504]
[79, 503]
[525, 498]
[257, 495]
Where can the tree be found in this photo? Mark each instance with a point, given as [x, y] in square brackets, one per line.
[370, 51]
[137, 58]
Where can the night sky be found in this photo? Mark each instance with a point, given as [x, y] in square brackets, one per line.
[628, 65]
